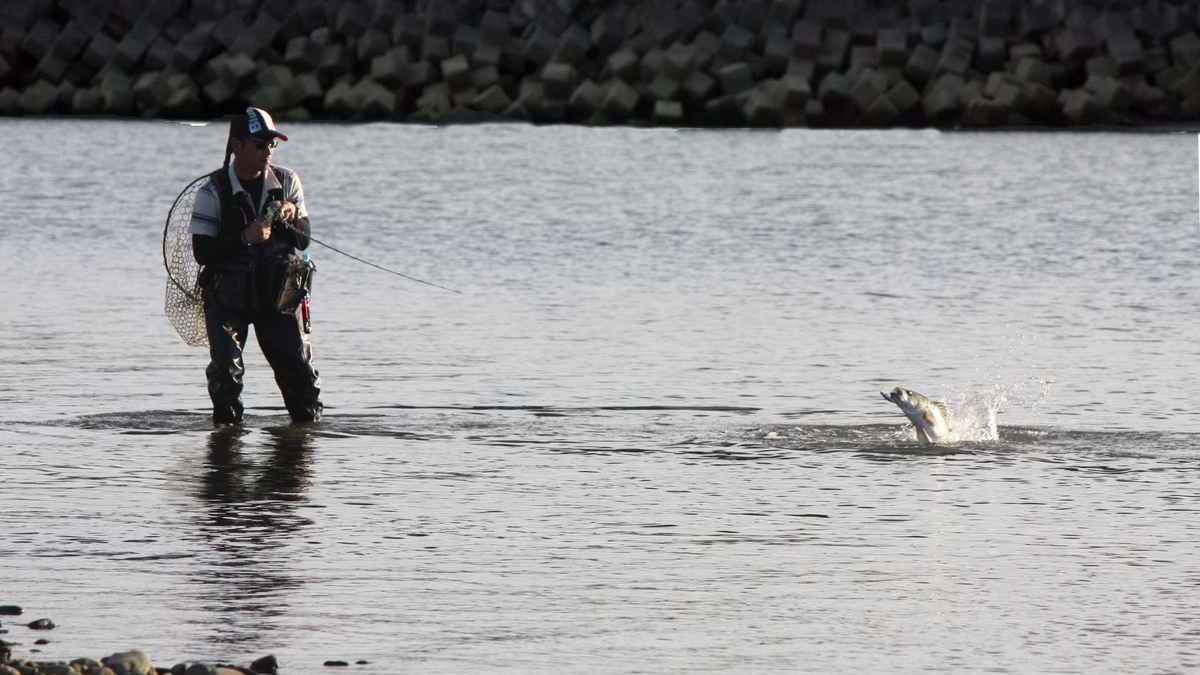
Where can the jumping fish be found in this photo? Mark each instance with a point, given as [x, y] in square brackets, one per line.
[930, 418]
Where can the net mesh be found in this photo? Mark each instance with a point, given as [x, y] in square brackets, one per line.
[184, 306]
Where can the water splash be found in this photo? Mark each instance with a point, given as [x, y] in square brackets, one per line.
[973, 415]
[973, 410]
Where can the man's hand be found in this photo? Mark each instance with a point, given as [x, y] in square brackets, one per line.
[257, 232]
[287, 212]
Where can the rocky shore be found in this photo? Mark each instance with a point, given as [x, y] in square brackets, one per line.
[136, 662]
[132, 662]
[819, 63]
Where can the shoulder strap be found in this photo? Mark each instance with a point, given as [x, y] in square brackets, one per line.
[220, 178]
[280, 177]
[233, 215]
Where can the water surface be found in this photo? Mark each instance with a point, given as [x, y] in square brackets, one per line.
[647, 435]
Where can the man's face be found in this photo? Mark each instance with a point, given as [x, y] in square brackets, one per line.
[252, 153]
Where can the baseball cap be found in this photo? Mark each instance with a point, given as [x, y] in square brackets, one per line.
[256, 123]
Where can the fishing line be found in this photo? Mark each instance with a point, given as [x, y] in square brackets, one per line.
[378, 267]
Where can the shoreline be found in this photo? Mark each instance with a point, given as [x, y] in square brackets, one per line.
[1003, 64]
[127, 662]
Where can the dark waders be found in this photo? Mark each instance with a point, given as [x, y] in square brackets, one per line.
[236, 298]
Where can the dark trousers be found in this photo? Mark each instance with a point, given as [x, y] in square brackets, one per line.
[283, 342]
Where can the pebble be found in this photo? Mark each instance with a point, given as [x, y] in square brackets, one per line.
[268, 665]
[42, 624]
[88, 666]
[132, 662]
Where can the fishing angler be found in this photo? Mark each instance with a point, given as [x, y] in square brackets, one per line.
[230, 248]
[243, 225]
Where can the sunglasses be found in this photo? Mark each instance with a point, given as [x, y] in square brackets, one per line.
[263, 145]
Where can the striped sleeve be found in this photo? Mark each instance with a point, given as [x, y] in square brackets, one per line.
[206, 211]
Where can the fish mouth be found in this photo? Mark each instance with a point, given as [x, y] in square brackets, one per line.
[887, 398]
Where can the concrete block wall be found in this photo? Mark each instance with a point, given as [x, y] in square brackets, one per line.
[829, 63]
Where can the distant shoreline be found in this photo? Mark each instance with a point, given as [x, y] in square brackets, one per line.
[1148, 128]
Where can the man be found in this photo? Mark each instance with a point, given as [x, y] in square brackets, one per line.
[247, 222]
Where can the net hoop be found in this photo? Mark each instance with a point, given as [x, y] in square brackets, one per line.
[184, 304]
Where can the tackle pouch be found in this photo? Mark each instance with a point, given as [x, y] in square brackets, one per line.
[297, 283]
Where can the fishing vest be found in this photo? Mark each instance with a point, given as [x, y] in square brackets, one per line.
[237, 212]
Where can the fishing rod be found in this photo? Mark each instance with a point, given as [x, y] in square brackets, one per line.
[183, 303]
[182, 239]
[272, 215]
[378, 267]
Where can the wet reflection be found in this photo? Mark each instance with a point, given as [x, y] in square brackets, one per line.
[250, 494]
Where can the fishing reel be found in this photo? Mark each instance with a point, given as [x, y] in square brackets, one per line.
[272, 213]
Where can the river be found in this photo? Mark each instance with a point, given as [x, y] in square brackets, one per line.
[647, 435]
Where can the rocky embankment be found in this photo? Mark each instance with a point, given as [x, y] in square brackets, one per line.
[821, 63]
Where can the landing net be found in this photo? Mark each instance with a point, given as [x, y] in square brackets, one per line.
[184, 306]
